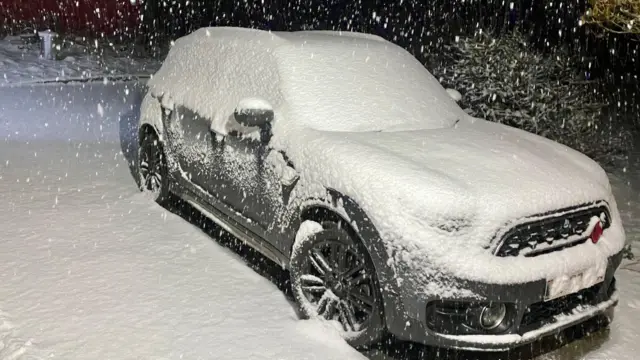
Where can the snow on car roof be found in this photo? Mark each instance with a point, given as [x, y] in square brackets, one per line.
[348, 34]
[328, 80]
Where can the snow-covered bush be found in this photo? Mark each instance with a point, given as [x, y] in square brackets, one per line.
[504, 80]
[619, 16]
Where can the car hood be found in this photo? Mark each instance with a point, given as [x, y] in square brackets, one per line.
[498, 170]
[439, 194]
[477, 168]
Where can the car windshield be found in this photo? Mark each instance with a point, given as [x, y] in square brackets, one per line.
[362, 86]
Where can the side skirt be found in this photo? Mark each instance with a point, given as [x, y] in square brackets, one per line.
[232, 226]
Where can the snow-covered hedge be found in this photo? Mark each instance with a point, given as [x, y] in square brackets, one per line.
[619, 16]
[503, 80]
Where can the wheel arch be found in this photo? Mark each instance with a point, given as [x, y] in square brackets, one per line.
[151, 117]
[147, 128]
[341, 208]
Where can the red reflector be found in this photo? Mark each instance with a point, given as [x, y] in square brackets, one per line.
[596, 233]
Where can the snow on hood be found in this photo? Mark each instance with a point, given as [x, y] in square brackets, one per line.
[438, 197]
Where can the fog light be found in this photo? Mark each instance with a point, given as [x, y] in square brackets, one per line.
[492, 316]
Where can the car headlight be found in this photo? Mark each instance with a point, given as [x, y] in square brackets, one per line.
[492, 316]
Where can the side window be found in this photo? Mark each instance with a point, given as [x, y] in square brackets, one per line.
[258, 78]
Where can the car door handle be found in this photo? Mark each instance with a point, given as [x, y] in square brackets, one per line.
[290, 174]
[286, 159]
[283, 167]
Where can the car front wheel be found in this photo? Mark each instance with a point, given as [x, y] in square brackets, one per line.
[333, 279]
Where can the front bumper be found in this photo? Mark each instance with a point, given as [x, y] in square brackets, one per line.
[531, 317]
[509, 341]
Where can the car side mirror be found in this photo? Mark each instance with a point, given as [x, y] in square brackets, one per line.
[253, 112]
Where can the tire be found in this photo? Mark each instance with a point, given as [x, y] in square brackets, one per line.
[152, 168]
[333, 278]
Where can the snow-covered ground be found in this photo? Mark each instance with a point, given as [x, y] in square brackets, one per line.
[91, 269]
[20, 62]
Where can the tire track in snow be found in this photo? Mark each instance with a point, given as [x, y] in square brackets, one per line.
[12, 346]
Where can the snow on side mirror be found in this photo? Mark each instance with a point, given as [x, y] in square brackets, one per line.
[455, 94]
[253, 112]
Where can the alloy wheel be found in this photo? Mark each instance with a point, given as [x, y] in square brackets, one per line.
[151, 169]
[338, 284]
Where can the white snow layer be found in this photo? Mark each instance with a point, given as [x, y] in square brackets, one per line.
[253, 104]
[90, 269]
[363, 117]
[455, 94]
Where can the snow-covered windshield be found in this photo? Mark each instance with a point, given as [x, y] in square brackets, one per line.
[362, 86]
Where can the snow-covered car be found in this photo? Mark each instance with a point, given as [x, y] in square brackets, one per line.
[342, 159]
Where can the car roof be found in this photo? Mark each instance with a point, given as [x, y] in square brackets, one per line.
[291, 37]
[187, 69]
[272, 40]
[328, 35]
[294, 70]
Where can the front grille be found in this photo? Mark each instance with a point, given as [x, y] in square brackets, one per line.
[543, 313]
[552, 232]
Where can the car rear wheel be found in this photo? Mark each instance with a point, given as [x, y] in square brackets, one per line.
[152, 168]
[334, 280]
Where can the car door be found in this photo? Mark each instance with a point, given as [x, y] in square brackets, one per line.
[258, 180]
[226, 170]
[228, 163]
[189, 142]
[219, 172]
